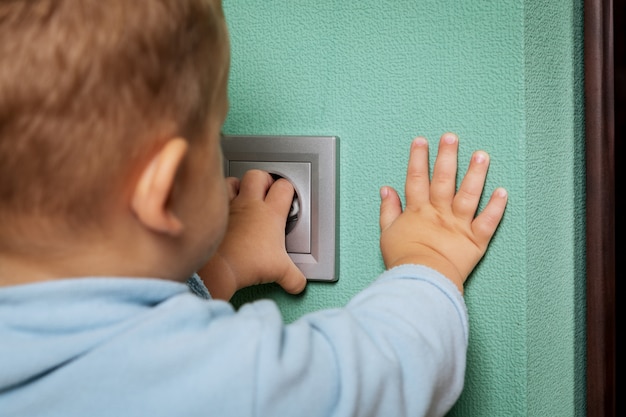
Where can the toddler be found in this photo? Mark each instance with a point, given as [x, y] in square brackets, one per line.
[121, 241]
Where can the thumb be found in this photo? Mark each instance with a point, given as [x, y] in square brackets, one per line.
[390, 207]
[293, 281]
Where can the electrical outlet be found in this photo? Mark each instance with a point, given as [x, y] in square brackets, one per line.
[310, 164]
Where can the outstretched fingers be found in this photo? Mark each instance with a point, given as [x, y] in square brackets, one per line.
[439, 226]
[443, 183]
[486, 223]
[468, 196]
[417, 187]
[390, 207]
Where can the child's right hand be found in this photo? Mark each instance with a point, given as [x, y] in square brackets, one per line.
[438, 227]
[253, 249]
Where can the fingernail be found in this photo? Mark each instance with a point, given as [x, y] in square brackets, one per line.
[480, 157]
[449, 138]
[501, 192]
[420, 141]
[384, 192]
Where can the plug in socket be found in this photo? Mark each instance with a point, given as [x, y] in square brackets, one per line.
[298, 239]
[309, 163]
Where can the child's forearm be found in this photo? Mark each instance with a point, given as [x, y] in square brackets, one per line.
[219, 278]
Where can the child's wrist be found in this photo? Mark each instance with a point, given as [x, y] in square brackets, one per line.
[219, 277]
[436, 262]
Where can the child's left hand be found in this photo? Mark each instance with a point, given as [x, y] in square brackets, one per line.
[253, 250]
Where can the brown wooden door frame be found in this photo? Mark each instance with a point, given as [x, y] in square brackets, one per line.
[600, 206]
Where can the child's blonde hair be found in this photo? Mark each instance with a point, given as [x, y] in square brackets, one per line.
[86, 86]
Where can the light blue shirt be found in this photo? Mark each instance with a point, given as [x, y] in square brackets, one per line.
[147, 347]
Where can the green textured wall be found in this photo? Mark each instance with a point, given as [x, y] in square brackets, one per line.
[506, 76]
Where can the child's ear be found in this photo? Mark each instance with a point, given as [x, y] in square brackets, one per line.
[155, 185]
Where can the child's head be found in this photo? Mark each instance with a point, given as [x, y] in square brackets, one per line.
[90, 90]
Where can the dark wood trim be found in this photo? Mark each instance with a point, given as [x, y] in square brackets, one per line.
[600, 201]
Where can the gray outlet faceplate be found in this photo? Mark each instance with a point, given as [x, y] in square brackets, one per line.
[310, 164]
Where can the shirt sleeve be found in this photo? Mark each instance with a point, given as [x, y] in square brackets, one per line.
[397, 349]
